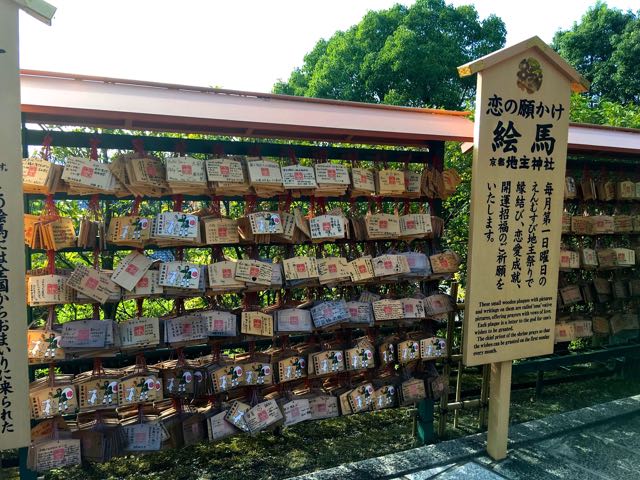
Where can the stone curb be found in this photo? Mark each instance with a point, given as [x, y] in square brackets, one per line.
[472, 446]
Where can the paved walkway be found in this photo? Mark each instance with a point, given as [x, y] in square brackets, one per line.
[595, 443]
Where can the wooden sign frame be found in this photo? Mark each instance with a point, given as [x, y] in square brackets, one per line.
[518, 172]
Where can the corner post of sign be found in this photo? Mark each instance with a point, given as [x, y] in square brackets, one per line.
[517, 188]
[14, 417]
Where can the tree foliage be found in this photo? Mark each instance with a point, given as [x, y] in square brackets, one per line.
[402, 56]
[604, 112]
[605, 47]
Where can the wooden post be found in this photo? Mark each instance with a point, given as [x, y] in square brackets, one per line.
[14, 417]
[456, 414]
[13, 323]
[444, 400]
[484, 396]
[424, 422]
[500, 392]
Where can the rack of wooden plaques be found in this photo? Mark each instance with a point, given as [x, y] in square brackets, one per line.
[234, 355]
[599, 285]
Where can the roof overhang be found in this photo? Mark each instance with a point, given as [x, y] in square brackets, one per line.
[54, 98]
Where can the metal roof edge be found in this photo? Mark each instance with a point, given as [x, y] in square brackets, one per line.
[239, 93]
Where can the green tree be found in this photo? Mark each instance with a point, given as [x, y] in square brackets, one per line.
[604, 112]
[403, 56]
[605, 47]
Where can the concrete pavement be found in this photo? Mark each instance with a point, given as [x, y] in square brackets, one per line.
[600, 442]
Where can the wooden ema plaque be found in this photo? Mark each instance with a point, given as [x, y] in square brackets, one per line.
[387, 352]
[98, 392]
[143, 437]
[289, 230]
[382, 226]
[84, 334]
[91, 283]
[134, 231]
[296, 411]
[385, 310]
[185, 329]
[44, 346]
[264, 171]
[178, 381]
[265, 223]
[360, 357]
[139, 388]
[332, 269]
[300, 268]
[218, 428]
[139, 332]
[413, 308]
[326, 363]
[227, 377]
[186, 172]
[386, 265]
[390, 182]
[51, 454]
[415, 225]
[569, 260]
[361, 269]
[50, 233]
[384, 397]
[176, 226]
[49, 401]
[588, 258]
[298, 177]
[412, 391]
[438, 305]
[131, 269]
[361, 313]
[331, 174]
[35, 174]
[324, 406]
[254, 271]
[326, 227]
[220, 231]
[293, 320]
[106, 287]
[224, 170]
[432, 348]
[256, 323]
[361, 398]
[257, 373]
[222, 276]
[180, 275]
[89, 174]
[48, 290]
[236, 415]
[446, 262]
[329, 313]
[263, 415]
[220, 323]
[292, 368]
[362, 182]
[408, 351]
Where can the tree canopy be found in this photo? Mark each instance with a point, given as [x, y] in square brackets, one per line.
[605, 47]
[402, 56]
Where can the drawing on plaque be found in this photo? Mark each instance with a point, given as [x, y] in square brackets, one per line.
[529, 75]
